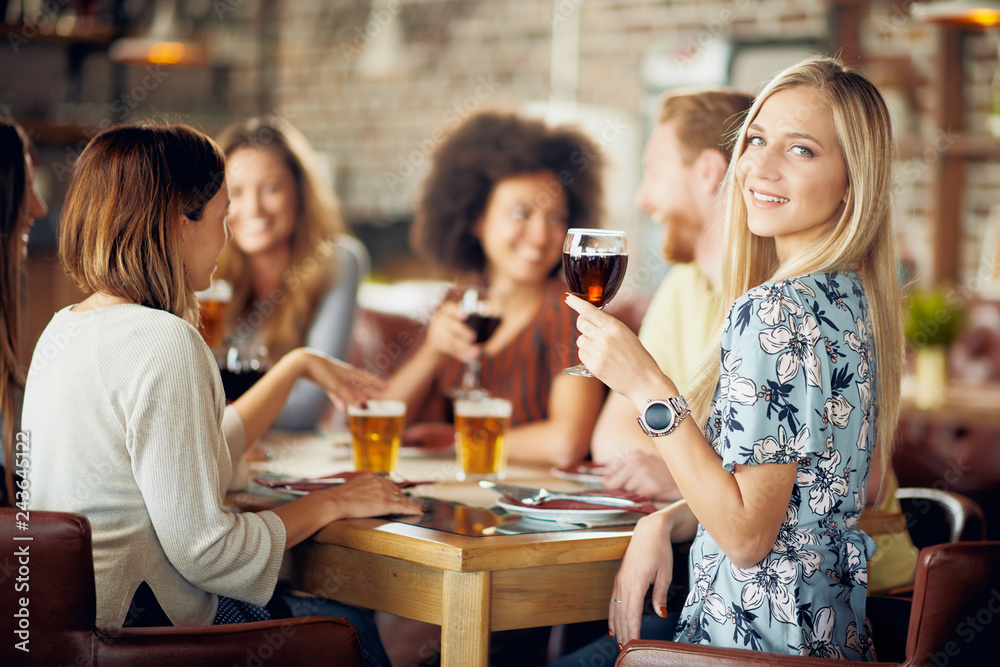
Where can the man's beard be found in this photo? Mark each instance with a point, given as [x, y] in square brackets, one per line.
[680, 236]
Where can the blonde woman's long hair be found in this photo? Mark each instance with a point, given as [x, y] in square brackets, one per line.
[318, 225]
[861, 240]
[119, 232]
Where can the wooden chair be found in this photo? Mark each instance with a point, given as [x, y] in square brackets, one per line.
[956, 598]
[48, 602]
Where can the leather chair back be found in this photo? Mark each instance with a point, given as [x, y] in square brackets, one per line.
[954, 619]
[53, 572]
[46, 561]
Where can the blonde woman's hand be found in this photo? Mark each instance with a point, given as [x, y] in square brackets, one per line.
[648, 561]
[370, 495]
[448, 333]
[611, 351]
[344, 384]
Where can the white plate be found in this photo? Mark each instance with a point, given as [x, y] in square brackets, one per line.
[564, 515]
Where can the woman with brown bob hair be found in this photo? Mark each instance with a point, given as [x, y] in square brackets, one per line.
[125, 407]
[494, 211]
[294, 269]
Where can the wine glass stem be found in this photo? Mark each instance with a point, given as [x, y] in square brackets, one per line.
[470, 379]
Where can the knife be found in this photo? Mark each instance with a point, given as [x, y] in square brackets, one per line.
[532, 496]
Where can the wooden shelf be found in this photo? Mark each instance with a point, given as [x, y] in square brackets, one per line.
[47, 132]
[978, 146]
[98, 35]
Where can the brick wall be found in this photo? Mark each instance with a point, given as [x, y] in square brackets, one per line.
[375, 91]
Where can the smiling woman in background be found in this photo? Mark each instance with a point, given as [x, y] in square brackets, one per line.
[294, 269]
[496, 205]
[20, 205]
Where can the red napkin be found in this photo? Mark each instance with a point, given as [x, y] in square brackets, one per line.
[316, 483]
[646, 505]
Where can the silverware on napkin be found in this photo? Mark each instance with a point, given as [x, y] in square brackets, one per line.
[535, 496]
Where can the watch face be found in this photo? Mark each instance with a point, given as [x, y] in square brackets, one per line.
[658, 416]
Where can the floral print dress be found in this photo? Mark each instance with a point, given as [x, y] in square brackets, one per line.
[797, 384]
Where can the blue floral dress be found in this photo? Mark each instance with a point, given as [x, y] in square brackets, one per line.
[797, 384]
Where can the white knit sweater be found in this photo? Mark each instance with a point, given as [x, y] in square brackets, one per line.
[125, 412]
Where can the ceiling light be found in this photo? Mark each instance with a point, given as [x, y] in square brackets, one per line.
[164, 44]
[958, 12]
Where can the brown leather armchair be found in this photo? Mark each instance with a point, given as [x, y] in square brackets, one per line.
[49, 565]
[956, 608]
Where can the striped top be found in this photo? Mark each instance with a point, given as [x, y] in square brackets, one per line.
[523, 371]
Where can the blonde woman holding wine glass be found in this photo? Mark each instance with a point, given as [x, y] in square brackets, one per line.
[772, 446]
[501, 194]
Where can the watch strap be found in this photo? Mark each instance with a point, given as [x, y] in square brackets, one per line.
[678, 409]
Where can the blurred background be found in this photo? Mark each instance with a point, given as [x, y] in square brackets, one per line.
[376, 84]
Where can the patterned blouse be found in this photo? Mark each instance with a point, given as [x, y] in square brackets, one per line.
[797, 385]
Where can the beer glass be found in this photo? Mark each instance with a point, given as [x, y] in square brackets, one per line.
[376, 431]
[594, 262]
[480, 437]
[212, 303]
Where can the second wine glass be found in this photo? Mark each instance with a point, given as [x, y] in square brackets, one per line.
[484, 321]
[594, 262]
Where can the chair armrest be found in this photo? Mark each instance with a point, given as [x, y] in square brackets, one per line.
[648, 653]
[294, 641]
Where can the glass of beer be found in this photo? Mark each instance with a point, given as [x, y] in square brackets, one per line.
[594, 262]
[480, 434]
[213, 303]
[376, 431]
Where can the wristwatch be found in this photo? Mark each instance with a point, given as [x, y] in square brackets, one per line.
[662, 417]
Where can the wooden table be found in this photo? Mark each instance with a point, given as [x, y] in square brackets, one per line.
[469, 586]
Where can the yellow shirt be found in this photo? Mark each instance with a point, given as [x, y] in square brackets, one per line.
[679, 326]
[895, 562]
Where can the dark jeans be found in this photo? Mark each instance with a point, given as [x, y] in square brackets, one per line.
[603, 651]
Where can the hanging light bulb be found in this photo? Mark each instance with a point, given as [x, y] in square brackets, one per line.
[164, 44]
[969, 13]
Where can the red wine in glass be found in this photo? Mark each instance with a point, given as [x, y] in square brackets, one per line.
[483, 325]
[595, 278]
[594, 262]
[235, 383]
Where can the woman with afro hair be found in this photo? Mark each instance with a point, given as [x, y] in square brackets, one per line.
[493, 213]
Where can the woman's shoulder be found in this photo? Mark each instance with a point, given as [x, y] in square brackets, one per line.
[772, 303]
[148, 332]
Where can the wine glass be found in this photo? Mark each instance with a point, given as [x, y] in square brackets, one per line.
[484, 322]
[240, 366]
[594, 262]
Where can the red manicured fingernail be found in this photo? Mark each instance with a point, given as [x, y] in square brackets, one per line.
[565, 296]
[663, 612]
[619, 647]
[611, 634]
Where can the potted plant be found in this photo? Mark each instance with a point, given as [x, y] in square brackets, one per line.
[933, 319]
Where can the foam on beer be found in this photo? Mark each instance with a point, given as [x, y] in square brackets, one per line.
[378, 409]
[484, 407]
